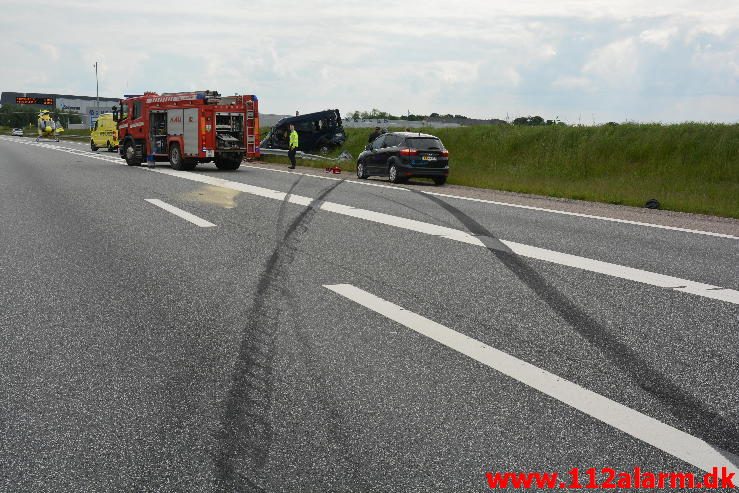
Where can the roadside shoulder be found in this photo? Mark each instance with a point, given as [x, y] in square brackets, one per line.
[620, 213]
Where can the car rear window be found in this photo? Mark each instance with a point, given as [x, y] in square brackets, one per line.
[391, 140]
[424, 143]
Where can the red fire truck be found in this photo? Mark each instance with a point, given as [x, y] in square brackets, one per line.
[188, 128]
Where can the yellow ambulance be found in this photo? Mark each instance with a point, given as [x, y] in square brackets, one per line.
[105, 133]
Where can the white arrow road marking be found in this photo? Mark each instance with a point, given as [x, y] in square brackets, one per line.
[677, 443]
[180, 213]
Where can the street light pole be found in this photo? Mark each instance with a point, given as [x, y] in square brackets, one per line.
[97, 94]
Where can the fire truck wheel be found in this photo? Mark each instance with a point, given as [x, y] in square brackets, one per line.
[175, 157]
[229, 163]
[129, 153]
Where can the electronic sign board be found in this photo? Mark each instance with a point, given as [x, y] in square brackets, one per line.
[41, 101]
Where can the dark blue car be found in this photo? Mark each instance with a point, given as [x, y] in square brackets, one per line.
[404, 155]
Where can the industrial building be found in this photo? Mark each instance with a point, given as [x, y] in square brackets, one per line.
[86, 106]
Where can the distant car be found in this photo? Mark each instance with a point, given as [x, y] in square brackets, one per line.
[318, 131]
[404, 155]
[17, 132]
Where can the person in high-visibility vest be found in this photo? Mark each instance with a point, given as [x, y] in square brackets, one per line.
[293, 146]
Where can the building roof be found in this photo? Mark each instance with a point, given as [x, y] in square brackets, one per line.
[9, 96]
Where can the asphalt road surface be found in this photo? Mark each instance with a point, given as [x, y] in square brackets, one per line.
[265, 330]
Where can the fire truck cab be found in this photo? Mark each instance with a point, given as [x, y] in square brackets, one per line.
[189, 128]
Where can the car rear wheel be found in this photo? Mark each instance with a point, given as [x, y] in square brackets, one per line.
[394, 174]
[439, 180]
[362, 171]
[93, 147]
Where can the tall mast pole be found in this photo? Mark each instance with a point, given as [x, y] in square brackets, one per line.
[97, 93]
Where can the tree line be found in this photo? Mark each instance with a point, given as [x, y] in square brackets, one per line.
[375, 114]
[16, 115]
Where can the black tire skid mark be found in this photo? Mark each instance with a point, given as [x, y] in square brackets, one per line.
[697, 418]
[246, 432]
[356, 475]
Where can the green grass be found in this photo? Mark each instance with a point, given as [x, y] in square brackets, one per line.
[31, 132]
[77, 134]
[690, 167]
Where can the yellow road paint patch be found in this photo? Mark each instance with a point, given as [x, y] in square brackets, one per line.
[218, 196]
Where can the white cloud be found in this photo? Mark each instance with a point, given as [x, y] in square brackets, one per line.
[721, 64]
[481, 56]
[548, 51]
[572, 83]
[454, 71]
[616, 63]
[659, 37]
[51, 51]
[702, 108]
[507, 77]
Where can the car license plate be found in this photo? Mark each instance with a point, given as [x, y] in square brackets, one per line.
[428, 158]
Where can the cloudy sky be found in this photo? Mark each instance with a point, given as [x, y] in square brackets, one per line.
[580, 60]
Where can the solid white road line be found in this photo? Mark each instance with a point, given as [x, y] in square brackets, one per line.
[614, 270]
[517, 206]
[327, 177]
[677, 443]
[587, 216]
[180, 213]
[77, 152]
[470, 199]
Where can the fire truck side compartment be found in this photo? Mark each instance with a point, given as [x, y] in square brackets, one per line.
[190, 131]
[174, 122]
[230, 131]
[158, 130]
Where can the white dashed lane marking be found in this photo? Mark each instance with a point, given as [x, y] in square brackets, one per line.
[180, 213]
[677, 443]
[583, 263]
[606, 268]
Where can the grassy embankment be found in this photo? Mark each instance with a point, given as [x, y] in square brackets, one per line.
[31, 132]
[690, 167]
[76, 134]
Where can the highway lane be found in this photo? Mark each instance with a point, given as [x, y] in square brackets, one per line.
[148, 353]
[668, 252]
[665, 251]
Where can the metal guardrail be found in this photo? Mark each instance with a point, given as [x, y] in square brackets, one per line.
[344, 156]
